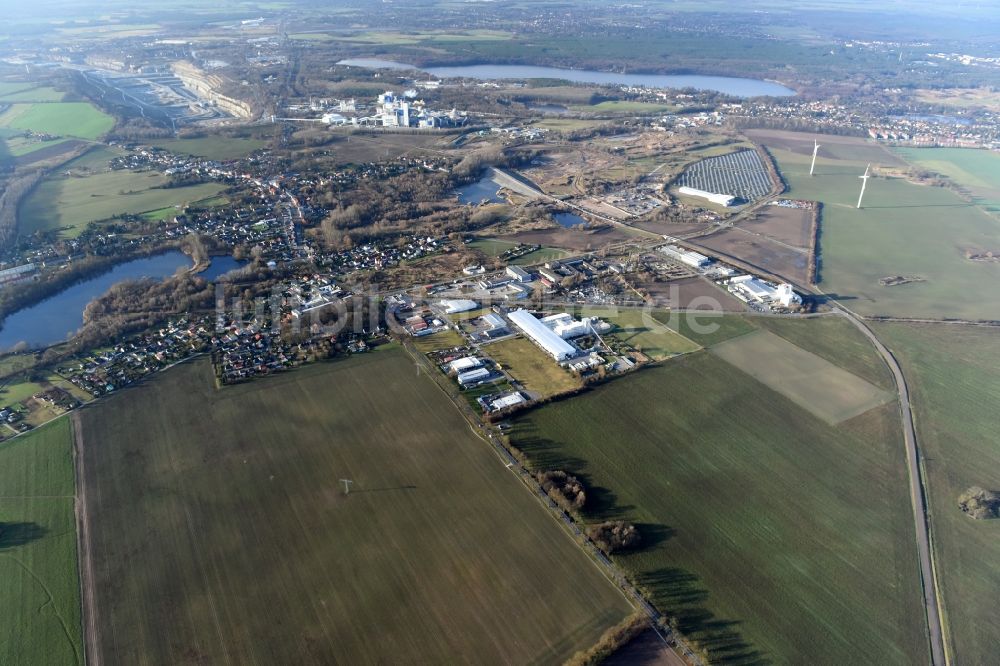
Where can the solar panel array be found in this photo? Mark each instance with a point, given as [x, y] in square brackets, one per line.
[741, 174]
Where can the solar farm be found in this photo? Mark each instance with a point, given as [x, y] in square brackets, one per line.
[741, 174]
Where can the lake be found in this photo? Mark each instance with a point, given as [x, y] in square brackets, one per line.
[729, 85]
[484, 188]
[569, 220]
[57, 317]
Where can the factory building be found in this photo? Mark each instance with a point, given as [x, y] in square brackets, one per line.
[464, 364]
[565, 326]
[749, 288]
[473, 376]
[719, 199]
[519, 274]
[454, 306]
[542, 335]
[693, 259]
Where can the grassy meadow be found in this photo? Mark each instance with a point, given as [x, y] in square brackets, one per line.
[92, 192]
[77, 119]
[532, 367]
[810, 381]
[954, 377]
[771, 536]
[212, 147]
[39, 586]
[221, 530]
[641, 330]
[977, 171]
[904, 229]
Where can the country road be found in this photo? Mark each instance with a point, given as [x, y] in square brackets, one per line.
[918, 499]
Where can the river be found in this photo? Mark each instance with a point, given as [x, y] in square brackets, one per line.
[57, 317]
[729, 85]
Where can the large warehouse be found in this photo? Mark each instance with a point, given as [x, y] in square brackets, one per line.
[542, 335]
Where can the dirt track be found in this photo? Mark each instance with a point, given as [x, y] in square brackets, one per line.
[86, 562]
[917, 498]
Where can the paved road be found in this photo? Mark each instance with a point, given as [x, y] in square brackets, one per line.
[917, 497]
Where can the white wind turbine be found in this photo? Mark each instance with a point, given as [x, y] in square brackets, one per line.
[815, 150]
[864, 184]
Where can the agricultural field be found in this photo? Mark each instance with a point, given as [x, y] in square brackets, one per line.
[533, 368]
[443, 340]
[437, 548]
[212, 147]
[837, 340]
[642, 331]
[624, 106]
[953, 373]
[961, 98]
[76, 119]
[779, 258]
[28, 92]
[790, 226]
[850, 149]
[771, 536]
[926, 235]
[39, 586]
[493, 247]
[810, 381]
[706, 328]
[977, 171]
[92, 192]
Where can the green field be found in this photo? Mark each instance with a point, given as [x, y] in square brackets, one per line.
[705, 329]
[494, 247]
[212, 147]
[771, 536]
[954, 377]
[837, 340]
[642, 331]
[532, 367]
[435, 341]
[810, 381]
[39, 586]
[540, 256]
[92, 192]
[623, 106]
[904, 229]
[77, 119]
[27, 92]
[978, 171]
[230, 538]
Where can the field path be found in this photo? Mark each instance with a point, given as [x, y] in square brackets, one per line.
[918, 499]
[92, 655]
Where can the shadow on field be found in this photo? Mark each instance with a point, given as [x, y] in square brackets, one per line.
[381, 490]
[823, 299]
[680, 595]
[654, 534]
[954, 205]
[13, 535]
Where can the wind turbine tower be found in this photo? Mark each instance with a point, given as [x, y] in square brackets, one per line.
[864, 184]
[815, 150]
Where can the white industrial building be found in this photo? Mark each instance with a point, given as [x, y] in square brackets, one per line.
[565, 326]
[693, 259]
[473, 376]
[749, 288]
[720, 199]
[464, 364]
[542, 335]
[505, 401]
[394, 111]
[519, 274]
[454, 306]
